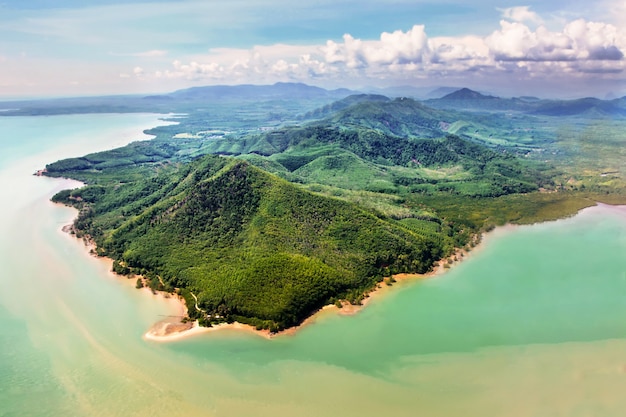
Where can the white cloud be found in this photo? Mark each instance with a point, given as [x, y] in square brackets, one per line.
[193, 71]
[392, 49]
[400, 47]
[65, 44]
[260, 64]
[579, 40]
[349, 53]
[515, 50]
[520, 14]
[517, 42]
[446, 49]
[597, 41]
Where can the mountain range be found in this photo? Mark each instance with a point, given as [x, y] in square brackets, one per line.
[293, 209]
[462, 99]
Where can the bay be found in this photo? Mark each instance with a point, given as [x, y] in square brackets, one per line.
[533, 322]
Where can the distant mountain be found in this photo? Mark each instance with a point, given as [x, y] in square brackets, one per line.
[470, 100]
[589, 107]
[440, 92]
[467, 94]
[256, 92]
[182, 101]
[403, 91]
[303, 98]
[344, 103]
[82, 105]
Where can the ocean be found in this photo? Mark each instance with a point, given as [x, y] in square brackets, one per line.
[531, 323]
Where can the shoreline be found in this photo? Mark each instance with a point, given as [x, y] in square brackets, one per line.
[440, 268]
[173, 328]
[168, 331]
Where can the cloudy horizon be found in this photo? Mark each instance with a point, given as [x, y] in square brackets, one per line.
[562, 49]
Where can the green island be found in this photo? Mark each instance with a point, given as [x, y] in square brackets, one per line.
[262, 204]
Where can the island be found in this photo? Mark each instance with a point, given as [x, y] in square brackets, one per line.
[262, 213]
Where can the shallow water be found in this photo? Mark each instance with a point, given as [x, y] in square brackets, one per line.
[532, 323]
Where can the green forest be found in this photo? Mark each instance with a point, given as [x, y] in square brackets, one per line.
[250, 246]
[266, 212]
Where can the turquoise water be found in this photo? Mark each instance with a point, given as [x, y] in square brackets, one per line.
[532, 323]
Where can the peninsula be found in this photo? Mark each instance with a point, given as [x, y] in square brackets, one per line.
[263, 223]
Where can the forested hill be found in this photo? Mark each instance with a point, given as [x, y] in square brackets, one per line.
[349, 149]
[358, 142]
[469, 100]
[351, 198]
[344, 103]
[252, 247]
[400, 117]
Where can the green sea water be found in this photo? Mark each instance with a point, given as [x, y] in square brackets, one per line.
[532, 323]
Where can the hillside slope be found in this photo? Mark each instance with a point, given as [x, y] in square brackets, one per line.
[250, 246]
[400, 117]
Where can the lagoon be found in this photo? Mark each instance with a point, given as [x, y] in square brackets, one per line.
[533, 322]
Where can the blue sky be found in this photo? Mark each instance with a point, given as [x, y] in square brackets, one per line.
[72, 47]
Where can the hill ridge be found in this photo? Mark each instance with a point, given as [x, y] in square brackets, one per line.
[251, 246]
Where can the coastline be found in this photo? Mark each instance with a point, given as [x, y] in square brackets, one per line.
[174, 328]
[171, 330]
[378, 292]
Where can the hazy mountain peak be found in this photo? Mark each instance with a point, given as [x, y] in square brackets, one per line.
[467, 94]
[253, 92]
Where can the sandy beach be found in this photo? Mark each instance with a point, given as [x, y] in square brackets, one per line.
[175, 333]
[174, 328]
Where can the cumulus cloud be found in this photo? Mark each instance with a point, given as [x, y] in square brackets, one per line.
[514, 49]
[597, 41]
[392, 48]
[517, 42]
[192, 71]
[579, 40]
[446, 49]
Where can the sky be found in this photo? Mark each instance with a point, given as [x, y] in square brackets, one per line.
[553, 48]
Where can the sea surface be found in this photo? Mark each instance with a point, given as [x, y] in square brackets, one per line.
[532, 323]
